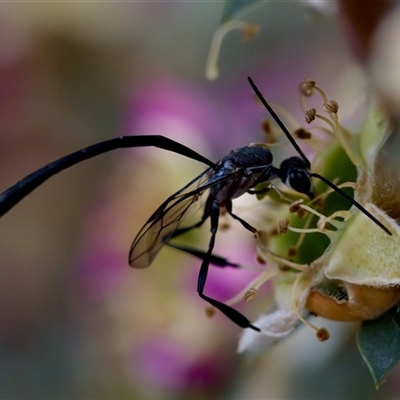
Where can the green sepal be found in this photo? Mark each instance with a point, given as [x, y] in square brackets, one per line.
[379, 343]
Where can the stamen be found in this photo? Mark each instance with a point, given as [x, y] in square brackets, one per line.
[301, 236]
[301, 213]
[329, 190]
[322, 225]
[259, 259]
[309, 230]
[280, 194]
[295, 206]
[282, 262]
[275, 131]
[252, 286]
[224, 226]
[322, 222]
[332, 107]
[322, 129]
[331, 219]
[307, 89]
[327, 120]
[268, 132]
[248, 30]
[340, 134]
[338, 214]
[321, 333]
[266, 126]
[321, 92]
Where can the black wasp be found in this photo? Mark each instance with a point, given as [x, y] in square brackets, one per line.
[237, 173]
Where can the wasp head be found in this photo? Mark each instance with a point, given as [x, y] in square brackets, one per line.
[295, 174]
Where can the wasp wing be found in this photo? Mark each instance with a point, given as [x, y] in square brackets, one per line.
[167, 218]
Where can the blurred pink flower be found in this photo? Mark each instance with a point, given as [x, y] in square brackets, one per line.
[167, 365]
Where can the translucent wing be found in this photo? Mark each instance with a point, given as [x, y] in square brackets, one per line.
[167, 218]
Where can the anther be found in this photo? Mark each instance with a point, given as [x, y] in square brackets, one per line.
[292, 252]
[310, 115]
[282, 226]
[249, 31]
[224, 226]
[266, 126]
[331, 106]
[268, 132]
[250, 295]
[301, 213]
[260, 260]
[306, 88]
[301, 133]
[323, 334]
[283, 267]
[210, 311]
[295, 206]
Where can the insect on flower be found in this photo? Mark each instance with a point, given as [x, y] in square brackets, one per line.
[234, 175]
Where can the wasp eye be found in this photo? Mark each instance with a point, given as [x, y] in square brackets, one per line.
[299, 181]
[294, 173]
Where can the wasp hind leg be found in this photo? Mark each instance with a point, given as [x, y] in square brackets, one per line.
[230, 312]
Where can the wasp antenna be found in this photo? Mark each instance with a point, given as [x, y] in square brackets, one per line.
[279, 122]
[352, 201]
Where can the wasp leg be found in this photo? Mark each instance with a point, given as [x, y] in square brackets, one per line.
[214, 259]
[10, 197]
[261, 191]
[230, 312]
[242, 221]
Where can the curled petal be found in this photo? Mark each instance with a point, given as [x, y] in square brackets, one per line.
[274, 327]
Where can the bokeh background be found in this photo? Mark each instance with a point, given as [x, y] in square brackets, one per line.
[75, 320]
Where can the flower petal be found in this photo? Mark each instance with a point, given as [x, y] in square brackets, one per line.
[274, 327]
